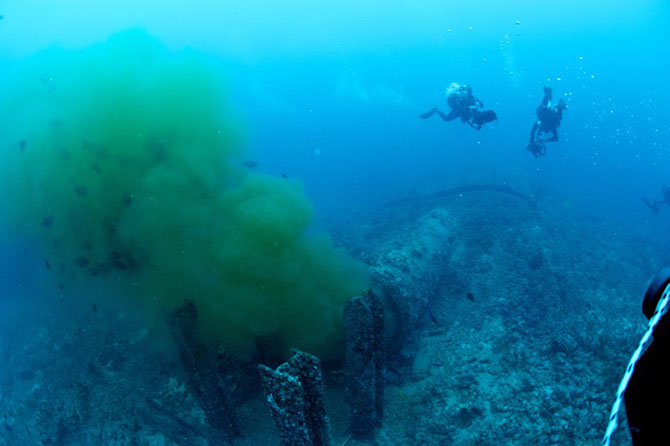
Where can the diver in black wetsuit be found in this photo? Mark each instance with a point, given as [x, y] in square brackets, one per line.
[463, 105]
[648, 391]
[548, 121]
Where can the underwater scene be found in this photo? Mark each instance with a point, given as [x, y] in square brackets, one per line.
[333, 223]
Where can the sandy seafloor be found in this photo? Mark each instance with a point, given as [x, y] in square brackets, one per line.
[532, 355]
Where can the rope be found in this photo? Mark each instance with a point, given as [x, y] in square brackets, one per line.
[647, 339]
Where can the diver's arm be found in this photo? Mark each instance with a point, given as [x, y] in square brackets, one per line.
[546, 100]
[554, 138]
[533, 131]
[473, 120]
[428, 114]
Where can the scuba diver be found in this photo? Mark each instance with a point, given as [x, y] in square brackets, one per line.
[463, 105]
[655, 205]
[548, 121]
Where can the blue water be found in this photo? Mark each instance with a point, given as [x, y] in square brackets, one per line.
[330, 93]
[348, 81]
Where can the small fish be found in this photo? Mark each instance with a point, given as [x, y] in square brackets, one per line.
[95, 271]
[81, 191]
[61, 286]
[47, 222]
[250, 164]
[82, 261]
[22, 145]
[127, 198]
[47, 264]
[284, 176]
[94, 308]
[470, 296]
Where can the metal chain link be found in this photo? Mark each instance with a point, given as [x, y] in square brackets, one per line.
[661, 309]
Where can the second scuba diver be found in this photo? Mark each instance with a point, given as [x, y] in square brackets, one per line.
[547, 123]
[463, 105]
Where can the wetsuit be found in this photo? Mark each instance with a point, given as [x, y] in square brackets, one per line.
[461, 102]
[548, 118]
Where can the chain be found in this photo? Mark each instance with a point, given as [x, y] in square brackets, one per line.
[661, 309]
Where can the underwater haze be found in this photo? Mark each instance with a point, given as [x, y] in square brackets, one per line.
[348, 75]
[191, 189]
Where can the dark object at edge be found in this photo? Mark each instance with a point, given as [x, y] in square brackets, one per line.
[648, 390]
[655, 291]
